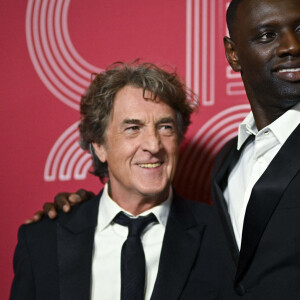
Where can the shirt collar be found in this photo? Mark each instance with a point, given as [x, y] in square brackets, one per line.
[108, 209]
[278, 127]
[246, 128]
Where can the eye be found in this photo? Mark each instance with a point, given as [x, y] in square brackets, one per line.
[166, 128]
[267, 36]
[132, 128]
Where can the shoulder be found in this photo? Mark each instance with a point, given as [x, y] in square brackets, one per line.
[80, 215]
[199, 211]
[36, 229]
[223, 154]
[227, 147]
[198, 208]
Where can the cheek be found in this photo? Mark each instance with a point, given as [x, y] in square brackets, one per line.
[248, 53]
[172, 150]
[258, 60]
[125, 152]
[253, 73]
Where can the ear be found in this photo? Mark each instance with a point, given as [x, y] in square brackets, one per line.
[100, 151]
[231, 54]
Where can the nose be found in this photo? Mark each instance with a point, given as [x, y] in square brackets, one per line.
[289, 44]
[151, 142]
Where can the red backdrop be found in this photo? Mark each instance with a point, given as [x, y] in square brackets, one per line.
[48, 50]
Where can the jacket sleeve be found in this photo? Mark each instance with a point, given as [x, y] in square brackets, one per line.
[23, 287]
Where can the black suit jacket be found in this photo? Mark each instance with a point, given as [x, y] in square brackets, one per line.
[53, 258]
[268, 265]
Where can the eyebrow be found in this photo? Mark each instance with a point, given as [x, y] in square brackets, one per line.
[265, 25]
[273, 23]
[166, 120]
[139, 122]
[132, 121]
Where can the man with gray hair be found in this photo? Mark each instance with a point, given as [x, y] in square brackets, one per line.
[137, 239]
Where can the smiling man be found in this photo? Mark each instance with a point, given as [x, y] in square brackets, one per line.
[256, 178]
[137, 239]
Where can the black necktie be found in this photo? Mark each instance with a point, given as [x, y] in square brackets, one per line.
[133, 257]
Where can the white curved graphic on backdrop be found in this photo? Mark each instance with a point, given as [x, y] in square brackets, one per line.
[66, 74]
[60, 67]
[66, 159]
[193, 173]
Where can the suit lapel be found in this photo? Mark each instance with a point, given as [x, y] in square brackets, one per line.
[75, 240]
[179, 250]
[230, 157]
[265, 197]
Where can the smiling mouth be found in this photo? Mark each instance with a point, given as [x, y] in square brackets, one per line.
[289, 70]
[289, 74]
[151, 166]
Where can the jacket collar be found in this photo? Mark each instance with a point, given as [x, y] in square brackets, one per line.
[258, 212]
[75, 241]
[219, 183]
[75, 246]
[179, 250]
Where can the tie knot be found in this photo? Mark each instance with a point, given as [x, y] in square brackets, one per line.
[135, 225]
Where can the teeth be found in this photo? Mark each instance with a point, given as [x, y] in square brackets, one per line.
[149, 166]
[289, 70]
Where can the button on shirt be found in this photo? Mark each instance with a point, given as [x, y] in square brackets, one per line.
[254, 160]
[108, 242]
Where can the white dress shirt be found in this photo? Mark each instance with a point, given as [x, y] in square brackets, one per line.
[254, 160]
[108, 241]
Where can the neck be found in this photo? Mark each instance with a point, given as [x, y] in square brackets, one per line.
[267, 107]
[137, 203]
[265, 116]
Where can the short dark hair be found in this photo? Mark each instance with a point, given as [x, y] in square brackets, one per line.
[97, 103]
[231, 13]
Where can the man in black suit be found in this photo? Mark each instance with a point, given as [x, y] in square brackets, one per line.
[256, 177]
[133, 118]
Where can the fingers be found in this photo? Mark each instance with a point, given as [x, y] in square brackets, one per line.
[50, 210]
[64, 201]
[85, 195]
[75, 199]
[61, 202]
[36, 217]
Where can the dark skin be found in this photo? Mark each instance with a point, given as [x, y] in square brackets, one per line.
[62, 201]
[265, 48]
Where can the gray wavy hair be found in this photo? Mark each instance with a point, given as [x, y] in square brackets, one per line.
[97, 103]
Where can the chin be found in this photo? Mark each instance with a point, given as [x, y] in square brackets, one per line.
[289, 92]
[290, 102]
[154, 191]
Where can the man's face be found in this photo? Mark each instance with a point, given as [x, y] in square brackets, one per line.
[141, 147]
[266, 40]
